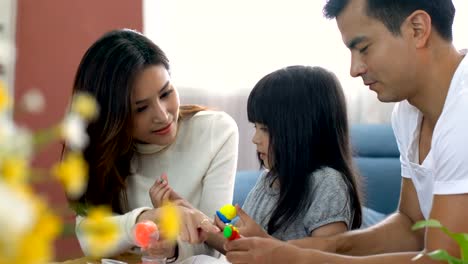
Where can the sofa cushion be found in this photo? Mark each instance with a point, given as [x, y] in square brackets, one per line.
[245, 181]
[371, 140]
[381, 183]
[377, 157]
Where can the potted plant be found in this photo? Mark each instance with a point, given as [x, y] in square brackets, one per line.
[441, 254]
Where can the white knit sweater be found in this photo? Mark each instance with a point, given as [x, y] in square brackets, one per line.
[200, 165]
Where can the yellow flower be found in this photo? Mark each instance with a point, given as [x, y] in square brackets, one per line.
[34, 250]
[33, 243]
[85, 105]
[37, 245]
[14, 170]
[100, 232]
[5, 100]
[72, 172]
[17, 215]
[169, 223]
[48, 225]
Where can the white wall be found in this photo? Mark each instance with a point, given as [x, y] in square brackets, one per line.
[225, 47]
[219, 49]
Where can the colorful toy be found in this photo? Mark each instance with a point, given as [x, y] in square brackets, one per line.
[227, 213]
[231, 232]
[168, 226]
[145, 232]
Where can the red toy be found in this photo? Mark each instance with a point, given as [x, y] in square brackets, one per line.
[231, 232]
[145, 232]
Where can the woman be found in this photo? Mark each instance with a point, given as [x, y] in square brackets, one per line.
[142, 133]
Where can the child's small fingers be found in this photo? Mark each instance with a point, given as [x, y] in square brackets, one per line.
[164, 177]
[219, 223]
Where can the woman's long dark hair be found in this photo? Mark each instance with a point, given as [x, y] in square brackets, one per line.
[304, 110]
[108, 71]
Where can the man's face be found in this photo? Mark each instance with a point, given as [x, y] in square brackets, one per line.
[385, 62]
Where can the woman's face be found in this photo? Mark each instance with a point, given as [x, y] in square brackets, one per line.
[155, 107]
[261, 139]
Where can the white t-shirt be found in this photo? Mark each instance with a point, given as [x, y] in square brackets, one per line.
[445, 169]
[200, 166]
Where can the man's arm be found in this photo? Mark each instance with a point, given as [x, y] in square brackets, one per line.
[450, 210]
[255, 250]
[314, 257]
[392, 235]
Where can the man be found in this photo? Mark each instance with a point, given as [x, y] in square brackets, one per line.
[402, 49]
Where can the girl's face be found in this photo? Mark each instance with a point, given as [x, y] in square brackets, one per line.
[155, 107]
[261, 138]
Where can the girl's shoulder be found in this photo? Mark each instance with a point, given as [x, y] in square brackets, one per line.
[328, 176]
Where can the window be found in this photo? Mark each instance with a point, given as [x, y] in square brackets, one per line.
[227, 46]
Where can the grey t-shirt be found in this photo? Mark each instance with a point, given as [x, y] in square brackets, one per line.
[329, 203]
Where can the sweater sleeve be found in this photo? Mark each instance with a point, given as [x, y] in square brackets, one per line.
[125, 225]
[218, 182]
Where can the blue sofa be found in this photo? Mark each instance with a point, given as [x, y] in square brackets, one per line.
[377, 158]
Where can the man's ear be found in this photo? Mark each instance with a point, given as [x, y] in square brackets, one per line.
[418, 26]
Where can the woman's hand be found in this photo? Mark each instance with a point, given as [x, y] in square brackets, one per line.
[148, 215]
[162, 248]
[161, 191]
[247, 226]
[195, 225]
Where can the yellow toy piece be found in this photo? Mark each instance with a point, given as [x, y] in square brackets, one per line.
[227, 213]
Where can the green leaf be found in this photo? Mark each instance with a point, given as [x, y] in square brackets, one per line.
[462, 241]
[79, 208]
[427, 223]
[443, 255]
[68, 230]
[460, 238]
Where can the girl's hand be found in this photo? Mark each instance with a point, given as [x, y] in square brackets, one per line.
[161, 191]
[247, 226]
[220, 224]
[195, 225]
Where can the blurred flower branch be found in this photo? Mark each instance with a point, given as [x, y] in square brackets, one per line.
[29, 225]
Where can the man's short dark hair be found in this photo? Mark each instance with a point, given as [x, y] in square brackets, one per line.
[392, 13]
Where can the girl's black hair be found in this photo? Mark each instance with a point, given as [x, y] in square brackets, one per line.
[304, 110]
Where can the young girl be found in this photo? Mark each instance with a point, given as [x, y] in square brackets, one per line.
[310, 187]
[142, 132]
